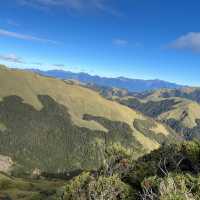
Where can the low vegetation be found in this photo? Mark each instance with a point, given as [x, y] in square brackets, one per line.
[12, 188]
[170, 173]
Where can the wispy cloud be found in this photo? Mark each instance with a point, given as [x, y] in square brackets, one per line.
[24, 63]
[120, 42]
[189, 41]
[7, 33]
[11, 58]
[73, 5]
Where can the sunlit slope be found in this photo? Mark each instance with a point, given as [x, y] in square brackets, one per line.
[190, 93]
[77, 99]
[186, 111]
[53, 126]
[185, 107]
[179, 109]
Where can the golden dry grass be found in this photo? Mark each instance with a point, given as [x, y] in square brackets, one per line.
[192, 108]
[186, 106]
[79, 100]
[160, 128]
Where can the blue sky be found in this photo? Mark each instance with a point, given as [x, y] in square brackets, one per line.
[133, 38]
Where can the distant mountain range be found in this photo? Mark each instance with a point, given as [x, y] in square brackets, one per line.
[133, 85]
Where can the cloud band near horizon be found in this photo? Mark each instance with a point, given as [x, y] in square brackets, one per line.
[11, 58]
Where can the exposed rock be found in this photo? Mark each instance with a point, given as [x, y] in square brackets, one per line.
[5, 163]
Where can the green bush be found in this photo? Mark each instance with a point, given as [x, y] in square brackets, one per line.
[110, 188]
[118, 160]
[172, 187]
[77, 188]
[90, 187]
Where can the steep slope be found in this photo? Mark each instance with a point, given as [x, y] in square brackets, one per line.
[133, 85]
[177, 108]
[191, 93]
[53, 126]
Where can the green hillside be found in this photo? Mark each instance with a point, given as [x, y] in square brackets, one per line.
[177, 108]
[191, 93]
[55, 127]
[168, 173]
[12, 188]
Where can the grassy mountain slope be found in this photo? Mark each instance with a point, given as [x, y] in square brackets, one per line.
[54, 126]
[178, 108]
[191, 93]
[77, 99]
[12, 188]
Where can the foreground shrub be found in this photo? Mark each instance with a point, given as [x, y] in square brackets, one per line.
[78, 187]
[171, 187]
[118, 161]
[111, 188]
[182, 157]
[88, 187]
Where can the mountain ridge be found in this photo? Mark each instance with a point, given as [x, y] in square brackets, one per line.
[133, 85]
[178, 108]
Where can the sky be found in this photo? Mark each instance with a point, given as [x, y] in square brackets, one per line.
[143, 39]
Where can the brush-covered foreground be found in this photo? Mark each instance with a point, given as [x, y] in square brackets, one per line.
[170, 173]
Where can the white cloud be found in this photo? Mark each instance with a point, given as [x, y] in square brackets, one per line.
[7, 33]
[75, 5]
[120, 42]
[11, 58]
[189, 41]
